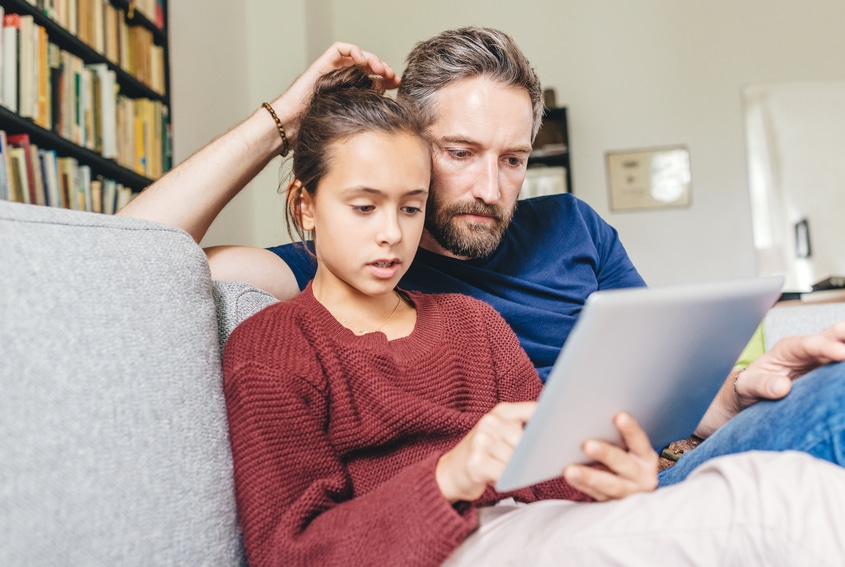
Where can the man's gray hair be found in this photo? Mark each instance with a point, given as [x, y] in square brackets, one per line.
[463, 53]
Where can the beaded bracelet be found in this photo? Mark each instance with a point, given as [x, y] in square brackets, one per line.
[285, 144]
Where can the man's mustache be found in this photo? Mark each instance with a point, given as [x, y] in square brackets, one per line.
[477, 209]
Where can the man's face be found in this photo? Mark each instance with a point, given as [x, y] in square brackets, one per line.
[482, 137]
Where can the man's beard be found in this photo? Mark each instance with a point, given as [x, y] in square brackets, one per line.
[467, 240]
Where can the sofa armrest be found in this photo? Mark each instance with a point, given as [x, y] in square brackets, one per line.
[796, 318]
[113, 436]
[235, 302]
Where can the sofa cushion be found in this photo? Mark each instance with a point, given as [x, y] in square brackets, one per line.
[113, 437]
[237, 301]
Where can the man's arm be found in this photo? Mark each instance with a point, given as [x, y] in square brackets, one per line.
[192, 194]
[771, 375]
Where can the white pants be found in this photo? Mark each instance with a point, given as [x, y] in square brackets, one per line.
[748, 509]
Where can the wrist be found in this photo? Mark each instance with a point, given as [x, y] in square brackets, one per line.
[444, 480]
[280, 127]
[289, 110]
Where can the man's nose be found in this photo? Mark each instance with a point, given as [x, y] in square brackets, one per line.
[486, 186]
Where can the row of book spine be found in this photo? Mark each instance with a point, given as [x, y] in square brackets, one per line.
[38, 176]
[82, 103]
[105, 28]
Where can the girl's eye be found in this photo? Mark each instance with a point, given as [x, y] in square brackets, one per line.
[363, 208]
[411, 210]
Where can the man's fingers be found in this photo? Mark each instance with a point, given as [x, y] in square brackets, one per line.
[342, 54]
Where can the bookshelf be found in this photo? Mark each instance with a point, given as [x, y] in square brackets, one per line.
[106, 117]
[551, 146]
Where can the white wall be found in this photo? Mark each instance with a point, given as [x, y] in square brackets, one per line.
[224, 62]
[633, 74]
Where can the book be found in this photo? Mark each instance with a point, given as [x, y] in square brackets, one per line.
[105, 115]
[43, 116]
[824, 296]
[21, 141]
[27, 93]
[11, 32]
[84, 187]
[37, 177]
[51, 180]
[69, 182]
[4, 167]
[2, 16]
[96, 195]
[109, 196]
[124, 195]
[112, 18]
[17, 170]
[831, 282]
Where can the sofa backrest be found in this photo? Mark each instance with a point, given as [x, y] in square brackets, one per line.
[113, 438]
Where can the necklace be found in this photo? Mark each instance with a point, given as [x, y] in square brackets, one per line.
[361, 332]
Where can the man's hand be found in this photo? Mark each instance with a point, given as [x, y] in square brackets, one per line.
[480, 457]
[292, 103]
[770, 376]
[629, 471]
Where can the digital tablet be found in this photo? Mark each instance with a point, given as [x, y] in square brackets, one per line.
[660, 354]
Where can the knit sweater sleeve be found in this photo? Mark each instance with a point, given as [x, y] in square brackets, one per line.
[293, 491]
[518, 381]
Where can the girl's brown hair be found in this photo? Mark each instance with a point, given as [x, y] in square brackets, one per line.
[345, 102]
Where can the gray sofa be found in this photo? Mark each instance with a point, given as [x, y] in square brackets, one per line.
[113, 437]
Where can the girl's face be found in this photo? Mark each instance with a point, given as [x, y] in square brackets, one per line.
[368, 212]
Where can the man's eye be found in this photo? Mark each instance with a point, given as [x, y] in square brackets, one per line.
[515, 161]
[459, 153]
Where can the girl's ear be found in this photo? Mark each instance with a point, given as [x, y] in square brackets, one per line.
[305, 205]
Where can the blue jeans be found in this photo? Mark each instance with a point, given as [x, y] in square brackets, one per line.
[810, 419]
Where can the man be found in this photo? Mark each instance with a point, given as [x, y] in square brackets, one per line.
[535, 263]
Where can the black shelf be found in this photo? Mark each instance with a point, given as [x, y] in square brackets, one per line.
[138, 19]
[129, 85]
[551, 146]
[13, 123]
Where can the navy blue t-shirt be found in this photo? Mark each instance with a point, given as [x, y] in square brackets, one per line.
[556, 252]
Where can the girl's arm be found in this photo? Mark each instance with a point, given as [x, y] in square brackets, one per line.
[469, 470]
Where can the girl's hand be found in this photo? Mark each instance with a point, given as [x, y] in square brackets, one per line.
[480, 457]
[629, 471]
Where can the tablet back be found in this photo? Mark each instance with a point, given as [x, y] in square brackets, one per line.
[661, 354]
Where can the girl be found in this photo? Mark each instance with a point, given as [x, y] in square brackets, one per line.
[368, 424]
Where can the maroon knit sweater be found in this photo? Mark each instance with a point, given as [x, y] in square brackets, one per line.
[335, 437]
